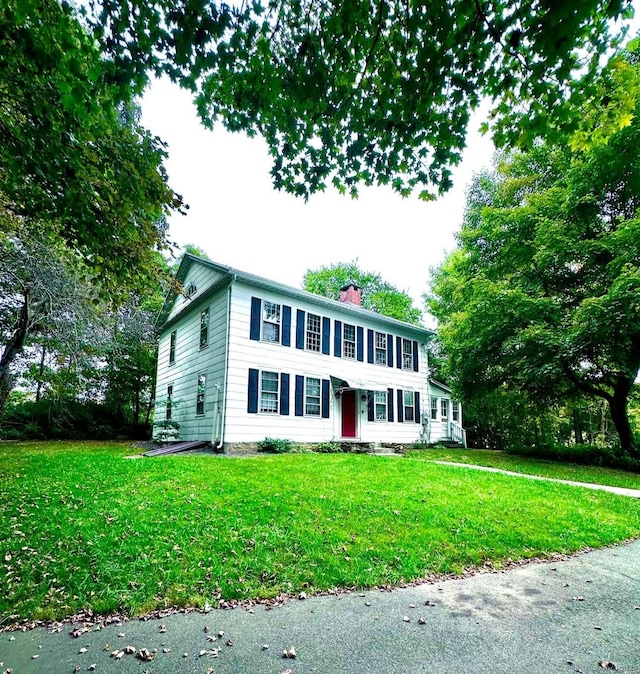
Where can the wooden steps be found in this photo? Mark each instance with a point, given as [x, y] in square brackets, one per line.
[176, 447]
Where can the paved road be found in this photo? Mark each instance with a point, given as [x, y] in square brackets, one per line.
[546, 618]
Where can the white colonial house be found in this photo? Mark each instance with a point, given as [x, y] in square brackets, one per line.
[242, 358]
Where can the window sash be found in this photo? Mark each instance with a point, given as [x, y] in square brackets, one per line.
[313, 332]
[270, 321]
[349, 341]
[407, 354]
[455, 410]
[380, 348]
[168, 408]
[312, 396]
[434, 407]
[172, 347]
[380, 402]
[408, 405]
[204, 328]
[269, 390]
[444, 409]
[202, 386]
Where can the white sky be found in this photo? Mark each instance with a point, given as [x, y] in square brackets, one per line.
[238, 219]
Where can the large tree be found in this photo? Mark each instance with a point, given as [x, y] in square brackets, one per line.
[377, 294]
[543, 292]
[350, 92]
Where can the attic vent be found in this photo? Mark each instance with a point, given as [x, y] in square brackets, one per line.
[190, 291]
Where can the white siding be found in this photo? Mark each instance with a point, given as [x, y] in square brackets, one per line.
[202, 277]
[245, 353]
[190, 361]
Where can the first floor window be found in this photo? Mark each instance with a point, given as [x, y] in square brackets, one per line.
[172, 347]
[455, 410]
[313, 332]
[169, 402]
[204, 328]
[434, 407]
[380, 401]
[408, 406]
[407, 354]
[348, 341]
[270, 321]
[444, 409]
[312, 396]
[380, 348]
[269, 392]
[202, 386]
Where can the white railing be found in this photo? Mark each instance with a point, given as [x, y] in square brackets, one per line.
[457, 433]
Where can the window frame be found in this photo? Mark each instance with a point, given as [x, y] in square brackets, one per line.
[434, 408]
[351, 343]
[444, 409]
[204, 327]
[379, 350]
[313, 336]
[173, 340]
[407, 356]
[168, 410]
[312, 398]
[380, 403]
[201, 391]
[455, 411]
[264, 321]
[262, 392]
[405, 406]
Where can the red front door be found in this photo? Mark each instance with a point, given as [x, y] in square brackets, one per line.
[349, 414]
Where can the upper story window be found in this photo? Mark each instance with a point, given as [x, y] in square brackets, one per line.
[204, 328]
[190, 291]
[455, 410]
[444, 409]
[407, 354]
[312, 396]
[270, 321]
[202, 387]
[348, 341]
[269, 386]
[434, 407]
[313, 332]
[172, 347]
[408, 406]
[380, 402]
[380, 343]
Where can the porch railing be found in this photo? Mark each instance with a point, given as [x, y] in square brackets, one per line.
[457, 433]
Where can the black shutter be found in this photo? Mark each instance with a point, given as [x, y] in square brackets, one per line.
[252, 397]
[416, 412]
[284, 393]
[415, 356]
[326, 334]
[400, 405]
[325, 398]
[337, 339]
[299, 395]
[399, 352]
[286, 325]
[256, 308]
[390, 350]
[370, 410]
[369, 346]
[300, 329]
[389, 404]
[360, 343]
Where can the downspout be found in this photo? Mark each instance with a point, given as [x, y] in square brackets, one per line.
[226, 371]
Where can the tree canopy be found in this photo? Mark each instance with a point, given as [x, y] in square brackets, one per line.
[377, 295]
[543, 292]
[350, 92]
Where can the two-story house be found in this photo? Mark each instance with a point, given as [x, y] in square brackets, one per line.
[242, 358]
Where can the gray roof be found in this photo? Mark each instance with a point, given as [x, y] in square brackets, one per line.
[231, 275]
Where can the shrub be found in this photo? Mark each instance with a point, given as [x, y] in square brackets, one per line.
[275, 445]
[328, 447]
[590, 455]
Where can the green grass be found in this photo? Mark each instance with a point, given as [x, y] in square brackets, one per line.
[532, 466]
[82, 526]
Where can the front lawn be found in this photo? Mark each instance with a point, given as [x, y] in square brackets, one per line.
[532, 466]
[83, 526]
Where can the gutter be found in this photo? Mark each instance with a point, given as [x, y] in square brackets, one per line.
[220, 443]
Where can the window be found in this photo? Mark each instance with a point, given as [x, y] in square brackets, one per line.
[172, 347]
[313, 332]
[408, 405]
[407, 354]
[380, 348]
[380, 402]
[204, 328]
[312, 396]
[455, 410]
[444, 409]
[434, 407]
[270, 322]
[202, 385]
[190, 291]
[167, 415]
[269, 392]
[348, 341]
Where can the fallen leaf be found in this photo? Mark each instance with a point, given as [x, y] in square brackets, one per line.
[578, 599]
[597, 627]
[265, 647]
[166, 650]
[34, 657]
[121, 635]
[406, 619]
[302, 595]
[162, 629]
[84, 649]
[90, 668]
[229, 642]
[291, 653]
[605, 664]
[421, 621]
[130, 650]
[145, 655]
[106, 647]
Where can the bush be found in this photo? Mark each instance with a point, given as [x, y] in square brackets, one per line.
[328, 448]
[591, 455]
[275, 445]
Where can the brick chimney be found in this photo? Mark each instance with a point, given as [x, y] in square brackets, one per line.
[350, 293]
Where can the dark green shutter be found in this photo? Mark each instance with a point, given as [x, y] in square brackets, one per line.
[300, 329]
[415, 356]
[252, 397]
[389, 404]
[390, 350]
[254, 328]
[400, 405]
[337, 339]
[299, 395]
[369, 346]
[360, 344]
[399, 352]
[416, 411]
[286, 325]
[370, 411]
[325, 398]
[284, 393]
[326, 334]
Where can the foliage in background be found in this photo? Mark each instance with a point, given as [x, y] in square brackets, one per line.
[543, 293]
[349, 92]
[377, 295]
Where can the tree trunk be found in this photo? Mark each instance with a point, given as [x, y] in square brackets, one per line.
[13, 348]
[41, 373]
[577, 427]
[620, 417]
